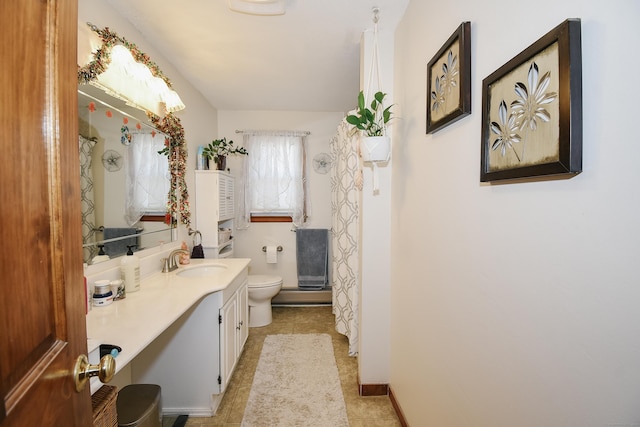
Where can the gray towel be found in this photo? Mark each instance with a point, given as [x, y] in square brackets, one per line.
[119, 247]
[312, 256]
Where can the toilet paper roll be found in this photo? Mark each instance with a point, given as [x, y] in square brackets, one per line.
[272, 254]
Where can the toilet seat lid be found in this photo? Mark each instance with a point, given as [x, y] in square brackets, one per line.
[262, 280]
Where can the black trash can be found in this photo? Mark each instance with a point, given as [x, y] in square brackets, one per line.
[139, 405]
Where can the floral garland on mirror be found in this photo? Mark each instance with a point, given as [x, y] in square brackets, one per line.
[176, 150]
[175, 147]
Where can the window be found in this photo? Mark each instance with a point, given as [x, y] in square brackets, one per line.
[274, 181]
[148, 177]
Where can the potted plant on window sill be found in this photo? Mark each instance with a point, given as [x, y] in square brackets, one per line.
[372, 123]
[219, 149]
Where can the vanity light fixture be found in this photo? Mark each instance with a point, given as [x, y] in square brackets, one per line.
[133, 82]
[258, 7]
[123, 76]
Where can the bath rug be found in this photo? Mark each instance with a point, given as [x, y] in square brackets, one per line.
[296, 384]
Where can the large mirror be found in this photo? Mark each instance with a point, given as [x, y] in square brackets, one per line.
[124, 180]
[132, 148]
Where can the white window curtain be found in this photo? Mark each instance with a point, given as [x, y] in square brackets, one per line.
[148, 177]
[274, 176]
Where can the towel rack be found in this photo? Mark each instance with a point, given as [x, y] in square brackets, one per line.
[279, 249]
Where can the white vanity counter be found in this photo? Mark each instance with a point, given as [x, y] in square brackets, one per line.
[136, 321]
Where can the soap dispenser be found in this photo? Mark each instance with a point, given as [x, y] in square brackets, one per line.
[101, 256]
[130, 271]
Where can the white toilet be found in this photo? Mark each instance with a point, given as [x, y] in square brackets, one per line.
[262, 288]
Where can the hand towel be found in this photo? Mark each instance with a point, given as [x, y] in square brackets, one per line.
[197, 252]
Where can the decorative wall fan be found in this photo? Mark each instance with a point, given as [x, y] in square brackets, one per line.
[112, 160]
[322, 163]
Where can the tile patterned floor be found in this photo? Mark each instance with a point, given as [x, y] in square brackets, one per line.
[371, 411]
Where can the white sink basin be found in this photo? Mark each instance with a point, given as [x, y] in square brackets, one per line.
[202, 270]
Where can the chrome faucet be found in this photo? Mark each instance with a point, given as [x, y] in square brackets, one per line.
[169, 264]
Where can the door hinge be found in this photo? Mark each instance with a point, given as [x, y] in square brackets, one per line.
[219, 380]
[220, 319]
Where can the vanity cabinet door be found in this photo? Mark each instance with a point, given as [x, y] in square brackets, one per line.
[228, 340]
[243, 317]
[234, 331]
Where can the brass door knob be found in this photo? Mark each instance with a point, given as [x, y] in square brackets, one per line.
[83, 370]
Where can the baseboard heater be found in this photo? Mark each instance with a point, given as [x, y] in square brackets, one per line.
[296, 296]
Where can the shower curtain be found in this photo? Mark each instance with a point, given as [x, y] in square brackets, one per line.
[346, 181]
[86, 196]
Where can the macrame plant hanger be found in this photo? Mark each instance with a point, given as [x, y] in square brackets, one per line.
[375, 64]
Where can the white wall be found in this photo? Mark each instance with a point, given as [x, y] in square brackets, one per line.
[249, 243]
[199, 119]
[517, 305]
[375, 239]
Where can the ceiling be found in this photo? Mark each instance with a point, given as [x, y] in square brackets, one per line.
[305, 60]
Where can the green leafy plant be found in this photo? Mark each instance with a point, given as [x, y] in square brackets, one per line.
[222, 148]
[371, 121]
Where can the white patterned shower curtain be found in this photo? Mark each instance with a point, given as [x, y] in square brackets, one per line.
[86, 195]
[346, 182]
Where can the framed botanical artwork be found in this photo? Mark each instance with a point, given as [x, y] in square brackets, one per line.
[532, 110]
[449, 81]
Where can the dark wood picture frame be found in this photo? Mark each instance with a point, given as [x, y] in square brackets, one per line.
[449, 81]
[532, 110]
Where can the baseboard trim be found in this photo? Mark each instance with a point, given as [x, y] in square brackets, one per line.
[383, 390]
[396, 407]
[372, 389]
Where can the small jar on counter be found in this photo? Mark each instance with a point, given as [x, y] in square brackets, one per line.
[102, 294]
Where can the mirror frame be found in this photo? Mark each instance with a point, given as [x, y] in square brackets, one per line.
[178, 197]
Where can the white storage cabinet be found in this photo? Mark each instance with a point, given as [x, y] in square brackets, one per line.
[215, 210]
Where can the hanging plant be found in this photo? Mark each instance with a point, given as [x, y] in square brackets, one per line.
[372, 121]
[175, 148]
[376, 145]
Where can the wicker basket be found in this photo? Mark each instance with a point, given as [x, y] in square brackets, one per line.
[224, 235]
[103, 402]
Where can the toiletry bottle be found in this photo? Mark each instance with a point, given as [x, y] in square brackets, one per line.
[200, 158]
[130, 271]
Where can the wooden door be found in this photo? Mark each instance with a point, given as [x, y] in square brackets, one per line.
[43, 330]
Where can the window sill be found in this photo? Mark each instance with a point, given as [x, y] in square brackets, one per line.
[152, 218]
[270, 218]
